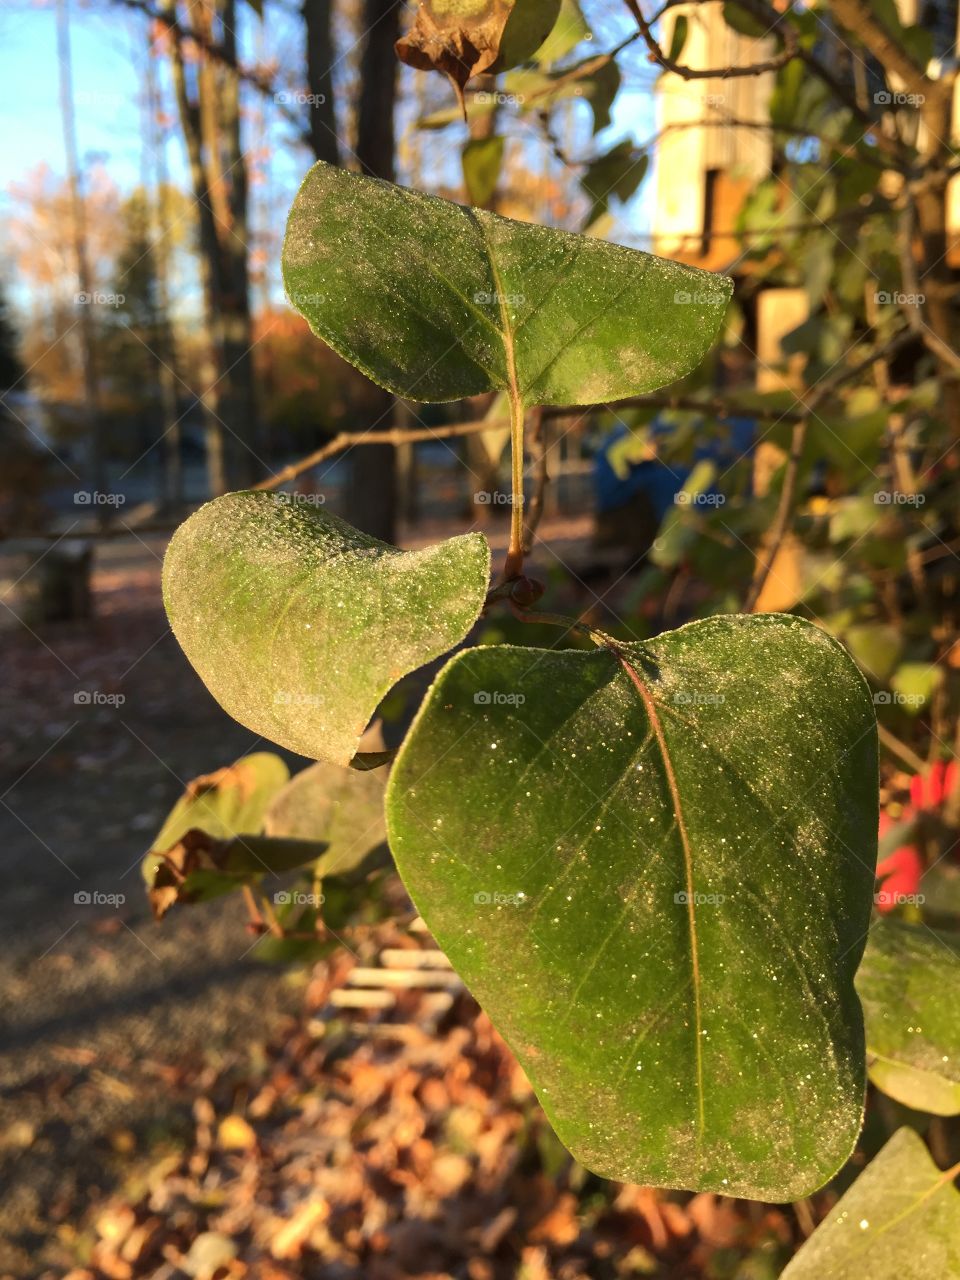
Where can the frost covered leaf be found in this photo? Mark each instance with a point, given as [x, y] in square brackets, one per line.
[342, 807]
[435, 301]
[899, 1221]
[298, 623]
[655, 872]
[909, 985]
[463, 38]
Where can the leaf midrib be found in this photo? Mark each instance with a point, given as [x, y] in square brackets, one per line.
[653, 716]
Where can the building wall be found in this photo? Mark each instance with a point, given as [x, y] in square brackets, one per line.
[705, 166]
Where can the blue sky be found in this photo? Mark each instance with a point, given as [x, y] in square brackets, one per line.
[108, 48]
[105, 86]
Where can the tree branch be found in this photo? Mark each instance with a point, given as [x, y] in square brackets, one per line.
[782, 30]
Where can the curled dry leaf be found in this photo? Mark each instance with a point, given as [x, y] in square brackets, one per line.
[463, 38]
[200, 866]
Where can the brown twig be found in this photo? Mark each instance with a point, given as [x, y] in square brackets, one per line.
[789, 51]
[898, 748]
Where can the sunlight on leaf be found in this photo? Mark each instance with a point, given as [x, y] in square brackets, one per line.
[654, 869]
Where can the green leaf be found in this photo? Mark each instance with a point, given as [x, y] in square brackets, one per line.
[227, 803]
[617, 173]
[876, 646]
[681, 28]
[482, 159]
[655, 873]
[569, 30]
[200, 867]
[909, 985]
[298, 624]
[742, 22]
[916, 683]
[342, 807]
[435, 301]
[596, 85]
[899, 1221]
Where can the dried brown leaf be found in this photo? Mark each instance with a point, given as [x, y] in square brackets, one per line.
[464, 38]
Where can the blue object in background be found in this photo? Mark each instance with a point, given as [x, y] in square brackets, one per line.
[657, 482]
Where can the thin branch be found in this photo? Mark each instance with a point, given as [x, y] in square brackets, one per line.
[789, 51]
[898, 748]
[859, 19]
[348, 439]
[214, 50]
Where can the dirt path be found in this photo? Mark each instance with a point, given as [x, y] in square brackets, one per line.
[108, 1017]
[96, 999]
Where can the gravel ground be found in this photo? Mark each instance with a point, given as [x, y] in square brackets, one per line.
[102, 1007]
[96, 999]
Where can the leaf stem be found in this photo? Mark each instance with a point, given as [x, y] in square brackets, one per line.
[558, 620]
[513, 566]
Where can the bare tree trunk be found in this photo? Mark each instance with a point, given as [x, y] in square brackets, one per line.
[163, 337]
[317, 16]
[372, 496]
[211, 129]
[241, 382]
[88, 352]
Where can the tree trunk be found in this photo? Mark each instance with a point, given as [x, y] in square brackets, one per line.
[372, 496]
[84, 302]
[172, 490]
[238, 341]
[211, 129]
[323, 120]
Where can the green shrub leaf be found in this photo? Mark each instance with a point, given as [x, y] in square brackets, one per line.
[342, 807]
[298, 624]
[435, 301]
[229, 802]
[653, 865]
[899, 1221]
[909, 984]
